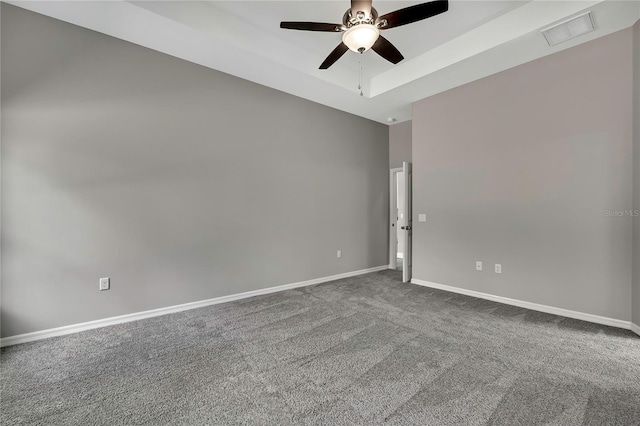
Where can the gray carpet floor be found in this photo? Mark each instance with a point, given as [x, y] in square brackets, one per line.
[364, 350]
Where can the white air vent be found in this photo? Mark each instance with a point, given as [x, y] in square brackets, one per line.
[571, 28]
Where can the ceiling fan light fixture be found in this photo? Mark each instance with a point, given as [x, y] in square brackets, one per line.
[360, 38]
[361, 27]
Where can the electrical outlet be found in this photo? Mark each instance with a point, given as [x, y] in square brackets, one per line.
[422, 217]
[478, 265]
[498, 268]
[339, 254]
[104, 284]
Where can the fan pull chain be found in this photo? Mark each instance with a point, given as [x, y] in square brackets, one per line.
[360, 75]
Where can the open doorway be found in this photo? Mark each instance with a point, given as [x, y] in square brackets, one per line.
[400, 220]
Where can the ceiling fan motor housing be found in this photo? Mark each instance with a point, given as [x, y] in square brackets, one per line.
[361, 32]
[350, 19]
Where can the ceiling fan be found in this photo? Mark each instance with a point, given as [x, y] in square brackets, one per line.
[361, 27]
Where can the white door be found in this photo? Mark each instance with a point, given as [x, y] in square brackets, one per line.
[394, 216]
[401, 215]
[408, 222]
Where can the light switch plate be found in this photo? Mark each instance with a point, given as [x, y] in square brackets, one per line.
[104, 284]
[422, 217]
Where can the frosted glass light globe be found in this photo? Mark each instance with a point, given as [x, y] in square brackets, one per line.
[360, 37]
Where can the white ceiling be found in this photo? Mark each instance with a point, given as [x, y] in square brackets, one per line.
[472, 40]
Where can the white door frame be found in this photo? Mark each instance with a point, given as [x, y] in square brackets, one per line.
[393, 216]
[407, 263]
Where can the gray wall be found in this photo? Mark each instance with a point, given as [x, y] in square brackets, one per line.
[519, 168]
[170, 178]
[636, 173]
[399, 144]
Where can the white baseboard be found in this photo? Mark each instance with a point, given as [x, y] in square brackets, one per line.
[76, 328]
[635, 328]
[529, 305]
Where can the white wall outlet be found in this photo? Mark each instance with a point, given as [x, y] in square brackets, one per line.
[498, 268]
[339, 254]
[478, 265]
[422, 217]
[104, 284]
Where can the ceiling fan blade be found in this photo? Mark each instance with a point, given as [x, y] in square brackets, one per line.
[384, 48]
[334, 56]
[362, 6]
[412, 14]
[311, 26]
